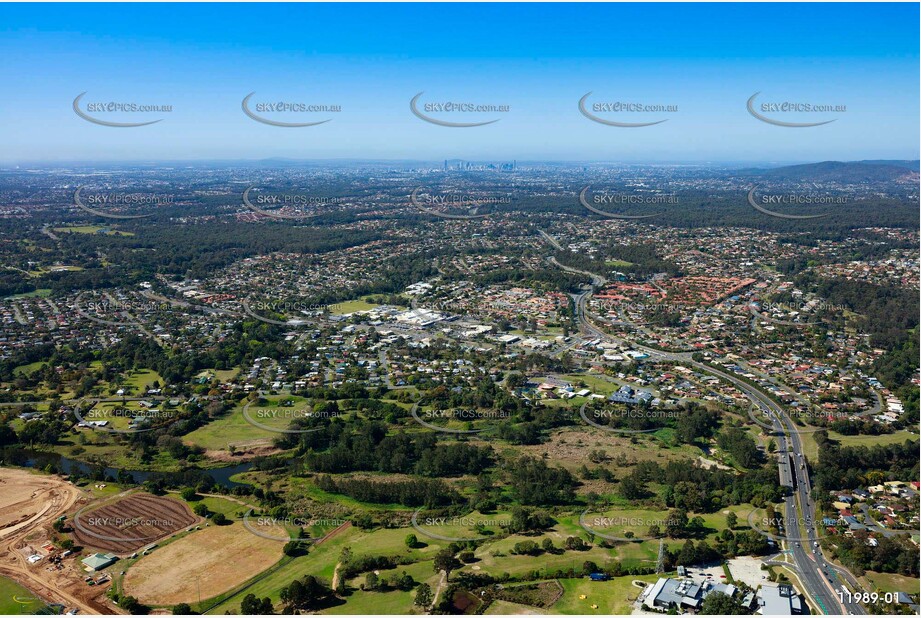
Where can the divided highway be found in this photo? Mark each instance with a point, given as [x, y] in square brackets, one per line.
[821, 582]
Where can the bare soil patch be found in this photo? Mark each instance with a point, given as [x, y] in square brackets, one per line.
[212, 560]
[29, 504]
[130, 523]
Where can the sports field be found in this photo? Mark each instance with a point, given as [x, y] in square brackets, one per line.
[14, 599]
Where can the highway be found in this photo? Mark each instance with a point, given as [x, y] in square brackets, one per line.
[820, 581]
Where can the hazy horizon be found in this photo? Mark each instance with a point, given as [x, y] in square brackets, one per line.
[702, 64]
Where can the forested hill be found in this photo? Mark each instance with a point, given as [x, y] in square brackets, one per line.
[850, 172]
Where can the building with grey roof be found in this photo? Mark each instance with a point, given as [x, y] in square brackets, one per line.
[779, 600]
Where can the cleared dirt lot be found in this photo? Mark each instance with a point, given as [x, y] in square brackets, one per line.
[29, 503]
[130, 523]
[24, 498]
[214, 560]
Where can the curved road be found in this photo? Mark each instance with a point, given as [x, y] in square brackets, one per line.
[821, 581]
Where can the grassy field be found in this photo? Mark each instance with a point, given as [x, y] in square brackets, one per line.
[38, 293]
[422, 571]
[619, 521]
[90, 229]
[15, 600]
[595, 382]
[89, 445]
[569, 447]
[100, 490]
[225, 375]
[811, 449]
[612, 597]
[320, 561]
[234, 429]
[891, 582]
[221, 505]
[351, 306]
[307, 489]
[23, 370]
[374, 603]
[140, 379]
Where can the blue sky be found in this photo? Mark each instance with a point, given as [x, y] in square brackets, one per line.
[538, 59]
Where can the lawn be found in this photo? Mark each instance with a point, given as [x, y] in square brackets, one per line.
[612, 597]
[546, 563]
[14, 599]
[595, 382]
[374, 603]
[38, 293]
[351, 306]
[104, 446]
[99, 492]
[234, 429]
[140, 379]
[226, 375]
[90, 229]
[464, 527]
[321, 562]
[811, 449]
[24, 370]
[892, 582]
[619, 521]
[221, 505]
[422, 571]
[897, 437]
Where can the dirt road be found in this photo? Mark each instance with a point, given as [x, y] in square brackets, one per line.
[29, 505]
